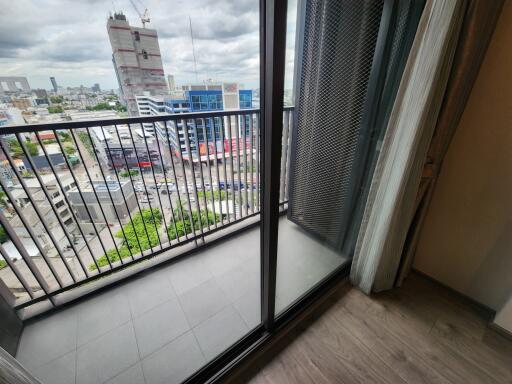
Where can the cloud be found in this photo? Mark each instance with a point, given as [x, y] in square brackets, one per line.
[68, 39]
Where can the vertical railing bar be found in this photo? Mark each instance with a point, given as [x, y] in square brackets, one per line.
[244, 150]
[288, 154]
[131, 181]
[144, 182]
[191, 162]
[201, 175]
[166, 187]
[52, 167]
[209, 169]
[251, 133]
[180, 205]
[258, 149]
[216, 165]
[16, 272]
[231, 163]
[34, 205]
[95, 193]
[109, 193]
[283, 156]
[54, 208]
[22, 217]
[122, 194]
[237, 134]
[224, 166]
[154, 178]
[25, 256]
[82, 198]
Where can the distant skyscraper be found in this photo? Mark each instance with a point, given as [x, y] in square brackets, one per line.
[96, 87]
[172, 83]
[54, 84]
[137, 60]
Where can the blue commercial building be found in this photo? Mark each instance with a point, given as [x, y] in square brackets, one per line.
[202, 98]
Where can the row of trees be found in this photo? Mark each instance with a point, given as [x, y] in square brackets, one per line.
[142, 232]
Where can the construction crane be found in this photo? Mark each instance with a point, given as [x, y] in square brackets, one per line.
[144, 17]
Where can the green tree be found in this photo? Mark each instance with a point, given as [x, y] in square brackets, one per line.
[142, 229]
[17, 151]
[184, 225]
[3, 235]
[56, 99]
[55, 109]
[131, 172]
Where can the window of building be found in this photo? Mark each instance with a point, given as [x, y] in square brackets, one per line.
[59, 204]
[196, 103]
[56, 194]
[245, 100]
[204, 102]
[68, 221]
[64, 213]
[144, 54]
[137, 35]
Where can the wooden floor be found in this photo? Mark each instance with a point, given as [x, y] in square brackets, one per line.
[420, 333]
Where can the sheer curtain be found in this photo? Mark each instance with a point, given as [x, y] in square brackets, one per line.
[392, 197]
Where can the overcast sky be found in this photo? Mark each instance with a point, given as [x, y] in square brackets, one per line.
[68, 39]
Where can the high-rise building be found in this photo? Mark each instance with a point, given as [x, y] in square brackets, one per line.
[54, 84]
[137, 60]
[96, 87]
[172, 83]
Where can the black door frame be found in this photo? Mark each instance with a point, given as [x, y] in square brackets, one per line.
[273, 16]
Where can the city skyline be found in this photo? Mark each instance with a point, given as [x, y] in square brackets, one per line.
[69, 41]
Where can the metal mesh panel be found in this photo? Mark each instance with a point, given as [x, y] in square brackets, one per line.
[338, 49]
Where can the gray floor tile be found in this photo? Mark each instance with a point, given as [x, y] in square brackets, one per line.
[220, 331]
[175, 362]
[203, 302]
[48, 338]
[147, 292]
[228, 255]
[132, 375]
[159, 326]
[249, 307]
[101, 314]
[58, 371]
[234, 283]
[107, 356]
[188, 274]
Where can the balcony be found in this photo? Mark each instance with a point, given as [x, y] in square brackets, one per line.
[169, 296]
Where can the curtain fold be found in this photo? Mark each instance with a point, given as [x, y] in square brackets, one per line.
[477, 29]
[12, 372]
[392, 198]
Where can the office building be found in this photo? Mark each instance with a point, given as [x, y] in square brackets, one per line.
[93, 191]
[137, 60]
[54, 84]
[172, 83]
[198, 98]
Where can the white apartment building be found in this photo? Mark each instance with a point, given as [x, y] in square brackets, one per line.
[137, 60]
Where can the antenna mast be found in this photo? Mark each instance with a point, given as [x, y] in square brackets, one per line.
[193, 48]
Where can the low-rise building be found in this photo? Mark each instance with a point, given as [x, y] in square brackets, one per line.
[96, 194]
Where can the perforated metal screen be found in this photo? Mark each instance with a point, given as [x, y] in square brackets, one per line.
[338, 48]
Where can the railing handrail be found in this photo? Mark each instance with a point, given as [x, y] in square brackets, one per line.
[23, 128]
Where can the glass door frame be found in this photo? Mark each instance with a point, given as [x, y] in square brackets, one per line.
[273, 24]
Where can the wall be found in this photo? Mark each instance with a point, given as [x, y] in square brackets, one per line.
[466, 241]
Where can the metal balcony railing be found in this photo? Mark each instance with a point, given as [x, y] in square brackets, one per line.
[82, 199]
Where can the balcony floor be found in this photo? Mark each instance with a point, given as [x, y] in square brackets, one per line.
[164, 325]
